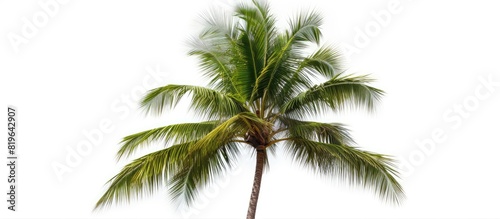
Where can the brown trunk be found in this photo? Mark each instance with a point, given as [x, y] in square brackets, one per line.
[259, 167]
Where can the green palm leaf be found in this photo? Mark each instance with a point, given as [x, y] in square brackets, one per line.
[231, 130]
[216, 49]
[144, 175]
[339, 93]
[326, 61]
[370, 170]
[283, 59]
[201, 169]
[331, 133]
[205, 102]
[177, 133]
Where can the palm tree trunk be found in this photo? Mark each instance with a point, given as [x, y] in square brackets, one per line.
[259, 167]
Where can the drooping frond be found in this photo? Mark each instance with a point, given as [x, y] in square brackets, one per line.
[144, 175]
[211, 155]
[336, 94]
[369, 170]
[205, 102]
[200, 170]
[331, 133]
[177, 133]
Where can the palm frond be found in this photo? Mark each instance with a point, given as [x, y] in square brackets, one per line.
[326, 61]
[228, 131]
[258, 31]
[217, 67]
[177, 133]
[339, 93]
[330, 133]
[305, 28]
[217, 50]
[144, 175]
[369, 170]
[206, 102]
[282, 62]
[200, 170]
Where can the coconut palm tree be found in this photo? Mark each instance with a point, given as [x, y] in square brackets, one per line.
[262, 86]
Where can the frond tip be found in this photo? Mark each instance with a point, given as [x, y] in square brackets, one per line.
[372, 171]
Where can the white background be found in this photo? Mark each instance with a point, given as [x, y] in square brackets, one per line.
[82, 66]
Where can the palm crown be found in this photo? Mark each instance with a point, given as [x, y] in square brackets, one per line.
[261, 90]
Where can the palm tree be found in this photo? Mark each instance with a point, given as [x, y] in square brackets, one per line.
[260, 93]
